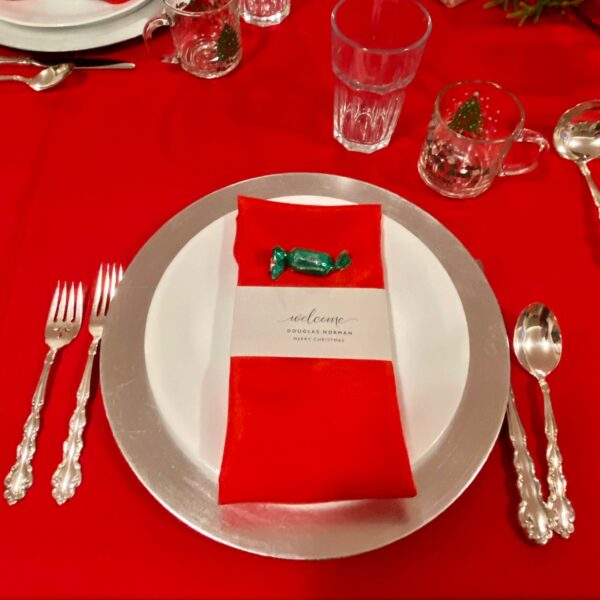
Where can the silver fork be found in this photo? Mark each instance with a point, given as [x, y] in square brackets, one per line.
[67, 477]
[62, 326]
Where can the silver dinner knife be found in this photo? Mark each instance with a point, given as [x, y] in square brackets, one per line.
[78, 63]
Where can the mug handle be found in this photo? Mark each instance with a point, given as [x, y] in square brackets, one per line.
[527, 136]
[150, 27]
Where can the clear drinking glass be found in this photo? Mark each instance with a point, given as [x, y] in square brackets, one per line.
[377, 48]
[265, 12]
[474, 125]
[206, 35]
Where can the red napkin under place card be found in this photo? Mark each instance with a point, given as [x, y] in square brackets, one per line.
[311, 429]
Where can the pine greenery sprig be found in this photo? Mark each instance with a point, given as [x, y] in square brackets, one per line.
[519, 9]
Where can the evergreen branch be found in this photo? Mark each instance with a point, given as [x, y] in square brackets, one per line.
[523, 10]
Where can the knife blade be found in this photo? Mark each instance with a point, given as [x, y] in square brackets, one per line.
[78, 63]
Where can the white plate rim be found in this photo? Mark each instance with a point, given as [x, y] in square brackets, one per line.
[76, 38]
[118, 10]
[355, 527]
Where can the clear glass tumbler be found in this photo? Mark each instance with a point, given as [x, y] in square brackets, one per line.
[377, 46]
[265, 12]
[473, 127]
[206, 35]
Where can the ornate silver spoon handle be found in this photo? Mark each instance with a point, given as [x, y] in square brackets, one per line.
[18, 60]
[561, 513]
[20, 476]
[585, 170]
[67, 477]
[532, 512]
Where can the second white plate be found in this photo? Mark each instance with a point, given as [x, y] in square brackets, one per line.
[105, 32]
[62, 13]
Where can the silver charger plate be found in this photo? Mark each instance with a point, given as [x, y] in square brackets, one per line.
[307, 531]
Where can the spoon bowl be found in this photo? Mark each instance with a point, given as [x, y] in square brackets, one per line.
[45, 79]
[537, 340]
[577, 134]
[577, 138]
[49, 77]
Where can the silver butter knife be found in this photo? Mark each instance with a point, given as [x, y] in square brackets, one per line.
[78, 63]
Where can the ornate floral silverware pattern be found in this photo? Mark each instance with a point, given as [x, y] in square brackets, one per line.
[532, 511]
[62, 326]
[67, 477]
[538, 345]
[559, 507]
[533, 516]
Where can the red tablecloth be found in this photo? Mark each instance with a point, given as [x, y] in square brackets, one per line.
[89, 171]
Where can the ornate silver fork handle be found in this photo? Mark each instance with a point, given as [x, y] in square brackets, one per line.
[20, 476]
[532, 512]
[560, 510]
[67, 477]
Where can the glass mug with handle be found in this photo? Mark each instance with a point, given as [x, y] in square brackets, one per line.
[473, 127]
[206, 35]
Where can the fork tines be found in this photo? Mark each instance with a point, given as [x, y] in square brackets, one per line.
[109, 277]
[66, 306]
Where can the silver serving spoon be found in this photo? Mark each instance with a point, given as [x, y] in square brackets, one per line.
[45, 79]
[538, 345]
[577, 138]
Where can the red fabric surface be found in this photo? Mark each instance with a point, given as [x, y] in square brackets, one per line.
[90, 170]
[310, 429]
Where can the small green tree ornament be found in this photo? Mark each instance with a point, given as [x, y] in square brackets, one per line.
[228, 43]
[468, 117]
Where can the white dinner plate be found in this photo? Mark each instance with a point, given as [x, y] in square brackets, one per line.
[188, 331]
[62, 13]
[166, 354]
[79, 37]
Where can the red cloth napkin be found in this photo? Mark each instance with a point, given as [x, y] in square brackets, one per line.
[311, 429]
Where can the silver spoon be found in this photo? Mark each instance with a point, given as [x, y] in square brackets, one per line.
[538, 345]
[577, 138]
[45, 79]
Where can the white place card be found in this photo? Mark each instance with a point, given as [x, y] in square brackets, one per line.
[307, 322]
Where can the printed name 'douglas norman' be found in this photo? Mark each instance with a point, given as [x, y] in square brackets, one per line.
[313, 317]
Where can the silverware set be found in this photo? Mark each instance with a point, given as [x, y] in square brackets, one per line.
[54, 72]
[62, 327]
[537, 343]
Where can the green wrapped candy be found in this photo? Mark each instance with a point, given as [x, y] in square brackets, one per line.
[308, 262]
